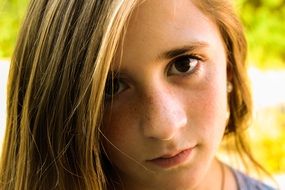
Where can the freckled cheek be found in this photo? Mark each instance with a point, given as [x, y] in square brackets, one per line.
[119, 124]
[207, 112]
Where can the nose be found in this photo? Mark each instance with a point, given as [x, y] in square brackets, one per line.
[163, 115]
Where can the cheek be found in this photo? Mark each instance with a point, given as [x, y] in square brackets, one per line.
[209, 111]
[121, 137]
[113, 125]
[119, 126]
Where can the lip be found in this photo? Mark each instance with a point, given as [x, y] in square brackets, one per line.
[172, 160]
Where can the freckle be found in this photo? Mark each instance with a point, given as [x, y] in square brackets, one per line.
[149, 100]
[133, 109]
[145, 114]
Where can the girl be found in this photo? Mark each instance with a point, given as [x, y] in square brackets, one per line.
[126, 94]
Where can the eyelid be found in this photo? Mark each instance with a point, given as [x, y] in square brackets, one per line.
[191, 55]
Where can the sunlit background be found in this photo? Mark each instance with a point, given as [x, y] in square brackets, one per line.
[265, 29]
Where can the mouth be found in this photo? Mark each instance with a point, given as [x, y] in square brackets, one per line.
[172, 160]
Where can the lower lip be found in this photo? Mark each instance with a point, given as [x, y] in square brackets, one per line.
[176, 160]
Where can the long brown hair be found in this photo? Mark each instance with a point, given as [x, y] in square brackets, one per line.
[56, 89]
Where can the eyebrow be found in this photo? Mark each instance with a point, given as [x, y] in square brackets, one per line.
[182, 50]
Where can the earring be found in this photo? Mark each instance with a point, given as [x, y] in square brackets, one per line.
[229, 87]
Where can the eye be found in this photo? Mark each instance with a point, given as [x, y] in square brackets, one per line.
[183, 65]
[114, 86]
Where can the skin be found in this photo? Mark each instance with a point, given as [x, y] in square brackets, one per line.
[157, 110]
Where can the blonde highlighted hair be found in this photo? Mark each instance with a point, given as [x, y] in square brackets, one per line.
[56, 90]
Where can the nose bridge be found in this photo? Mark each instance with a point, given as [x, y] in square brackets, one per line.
[163, 113]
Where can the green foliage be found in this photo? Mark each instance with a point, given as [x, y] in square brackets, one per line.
[265, 28]
[11, 14]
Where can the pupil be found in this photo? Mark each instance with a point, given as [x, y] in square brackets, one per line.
[112, 86]
[182, 65]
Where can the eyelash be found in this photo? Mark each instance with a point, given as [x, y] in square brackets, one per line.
[111, 83]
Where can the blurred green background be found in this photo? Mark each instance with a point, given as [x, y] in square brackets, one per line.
[11, 14]
[264, 22]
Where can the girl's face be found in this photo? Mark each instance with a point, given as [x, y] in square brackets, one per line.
[168, 112]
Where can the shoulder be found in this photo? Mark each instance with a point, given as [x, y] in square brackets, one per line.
[248, 183]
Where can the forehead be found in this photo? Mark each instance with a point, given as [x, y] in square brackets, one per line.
[158, 25]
